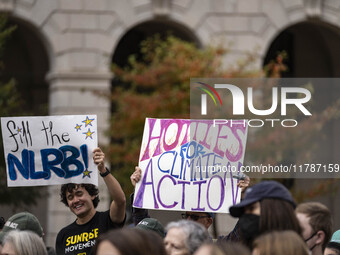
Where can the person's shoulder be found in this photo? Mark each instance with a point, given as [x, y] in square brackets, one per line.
[106, 216]
[101, 215]
[67, 228]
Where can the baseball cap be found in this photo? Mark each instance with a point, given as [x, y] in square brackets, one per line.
[335, 241]
[264, 189]
[212, 215]
[21, 221]
[152, 224]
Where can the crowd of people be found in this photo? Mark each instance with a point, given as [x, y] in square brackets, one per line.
[269, 222]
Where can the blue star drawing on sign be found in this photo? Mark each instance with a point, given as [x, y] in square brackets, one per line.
[88, 121]
[19, 130]
[87, 173]
[77, 127]
[88, 134]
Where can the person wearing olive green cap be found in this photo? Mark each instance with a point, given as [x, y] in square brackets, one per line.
[152, 224]
[23, 221]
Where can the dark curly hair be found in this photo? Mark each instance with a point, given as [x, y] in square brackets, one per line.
[90, 188]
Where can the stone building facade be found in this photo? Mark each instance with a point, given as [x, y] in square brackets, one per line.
[65, 48]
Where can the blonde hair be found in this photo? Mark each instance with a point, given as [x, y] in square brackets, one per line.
[285, 242]
[25, 242]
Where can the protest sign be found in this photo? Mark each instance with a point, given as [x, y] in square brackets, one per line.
[50, 150]
[190, 165]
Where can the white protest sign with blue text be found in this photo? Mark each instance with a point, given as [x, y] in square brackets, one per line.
[50, 150]
[190, 165]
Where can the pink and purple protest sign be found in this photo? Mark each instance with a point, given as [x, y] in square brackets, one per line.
[190, 165]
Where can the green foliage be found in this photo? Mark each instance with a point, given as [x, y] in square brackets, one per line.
[157, 86]
[5, 32]
[11, 104]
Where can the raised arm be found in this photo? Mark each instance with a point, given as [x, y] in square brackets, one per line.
[138, 214]
[136, 176]
[243, 185]
[118, 204]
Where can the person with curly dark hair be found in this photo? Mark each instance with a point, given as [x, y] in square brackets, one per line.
[80, 236]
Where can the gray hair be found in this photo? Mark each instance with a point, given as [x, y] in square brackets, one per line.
[196, 234]
[25, 242]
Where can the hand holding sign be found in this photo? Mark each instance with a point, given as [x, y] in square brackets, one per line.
[243, 184]
[136, 176]
[99, 159]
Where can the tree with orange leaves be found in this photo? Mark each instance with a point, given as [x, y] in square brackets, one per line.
[158, 86]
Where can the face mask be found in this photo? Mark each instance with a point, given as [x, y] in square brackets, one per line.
[249, 227]
[309, 239]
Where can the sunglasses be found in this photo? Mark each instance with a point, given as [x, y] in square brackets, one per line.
[193, 216]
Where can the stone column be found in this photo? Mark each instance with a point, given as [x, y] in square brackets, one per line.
[71, 94]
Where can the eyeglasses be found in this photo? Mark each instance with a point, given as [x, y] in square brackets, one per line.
[193, 216]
